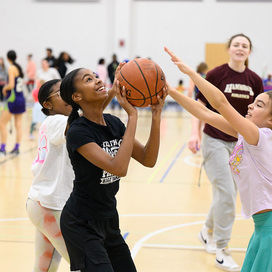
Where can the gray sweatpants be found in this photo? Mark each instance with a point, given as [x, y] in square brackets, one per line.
[221, 215]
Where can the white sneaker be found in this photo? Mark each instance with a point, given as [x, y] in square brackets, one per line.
[205, 236]
[224, 260]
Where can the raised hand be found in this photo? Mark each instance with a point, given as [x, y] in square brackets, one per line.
[183, 67]
[174, 58]
[157, 108]
[118, 69]
[122, 99]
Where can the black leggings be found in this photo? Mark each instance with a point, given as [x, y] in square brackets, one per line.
[95, 245]
[126, 265]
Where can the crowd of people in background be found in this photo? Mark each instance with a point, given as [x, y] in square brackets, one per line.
[56, 68]
[52, 67]
[57, 93]
[23, 94]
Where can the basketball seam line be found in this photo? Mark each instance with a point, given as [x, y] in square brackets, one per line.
[144, 99]
[150, 95]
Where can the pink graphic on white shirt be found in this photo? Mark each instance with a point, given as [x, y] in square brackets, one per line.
[42, 146]
[236, 158]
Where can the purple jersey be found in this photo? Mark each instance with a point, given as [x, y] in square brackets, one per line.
[15, 97]
[240, 90]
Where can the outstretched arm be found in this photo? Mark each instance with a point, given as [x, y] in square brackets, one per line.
[191, 88]
[218, 101]
[201, 112]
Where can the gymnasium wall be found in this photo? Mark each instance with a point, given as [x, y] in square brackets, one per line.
[91, 30]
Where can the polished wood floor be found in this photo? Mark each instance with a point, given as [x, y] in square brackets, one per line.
[161, 209]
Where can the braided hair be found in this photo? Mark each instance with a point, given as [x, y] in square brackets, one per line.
[67, 88]
[11, 55]
[45, 90]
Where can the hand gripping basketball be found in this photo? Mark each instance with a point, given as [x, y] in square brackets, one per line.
[143, 80]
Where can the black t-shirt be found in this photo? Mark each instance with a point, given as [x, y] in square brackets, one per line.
[61, 67]
[111, 70]
[94, 191]
[239, 88]
[51, 61]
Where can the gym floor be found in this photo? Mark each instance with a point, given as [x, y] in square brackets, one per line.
[161, 209]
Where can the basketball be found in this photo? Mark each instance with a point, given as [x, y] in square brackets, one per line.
[143, 80]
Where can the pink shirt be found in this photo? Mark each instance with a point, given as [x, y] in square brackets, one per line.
[31, 70]
[35, 94]
[252, 171]
[102, 72]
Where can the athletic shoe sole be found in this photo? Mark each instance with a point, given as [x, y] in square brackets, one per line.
[220, 266]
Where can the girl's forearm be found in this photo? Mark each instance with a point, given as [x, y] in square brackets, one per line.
[151, 149]
[123, 156]
[215, 97]
[192, 106]
[8, 87]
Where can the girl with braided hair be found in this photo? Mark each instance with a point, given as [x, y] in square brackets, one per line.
[53, 178]
[52, 182]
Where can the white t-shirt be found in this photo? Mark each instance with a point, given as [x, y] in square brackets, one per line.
[50, 74]
[252, 172]
[52, 169]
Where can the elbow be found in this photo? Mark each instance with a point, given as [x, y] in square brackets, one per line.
[220, 102]
[218, 105]
[120, 172]
[149, 164]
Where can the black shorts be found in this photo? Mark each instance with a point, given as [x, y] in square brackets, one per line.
[100, 241]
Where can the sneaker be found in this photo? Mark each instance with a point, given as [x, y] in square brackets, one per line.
[14, 152]
[224, 260]
[3, 153]
[205, 236]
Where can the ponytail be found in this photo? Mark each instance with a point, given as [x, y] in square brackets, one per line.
[21, 74]
[67, 88]
[73, 115]
[11, 55]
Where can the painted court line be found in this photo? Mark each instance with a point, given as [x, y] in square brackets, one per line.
[173, 162]
[125, 235]
[135, 215]
[14, 219]
[140, 243]
[188, 161]
[163, 162]
[188, 247]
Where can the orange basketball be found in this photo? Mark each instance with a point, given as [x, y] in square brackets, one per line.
[143, 80]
